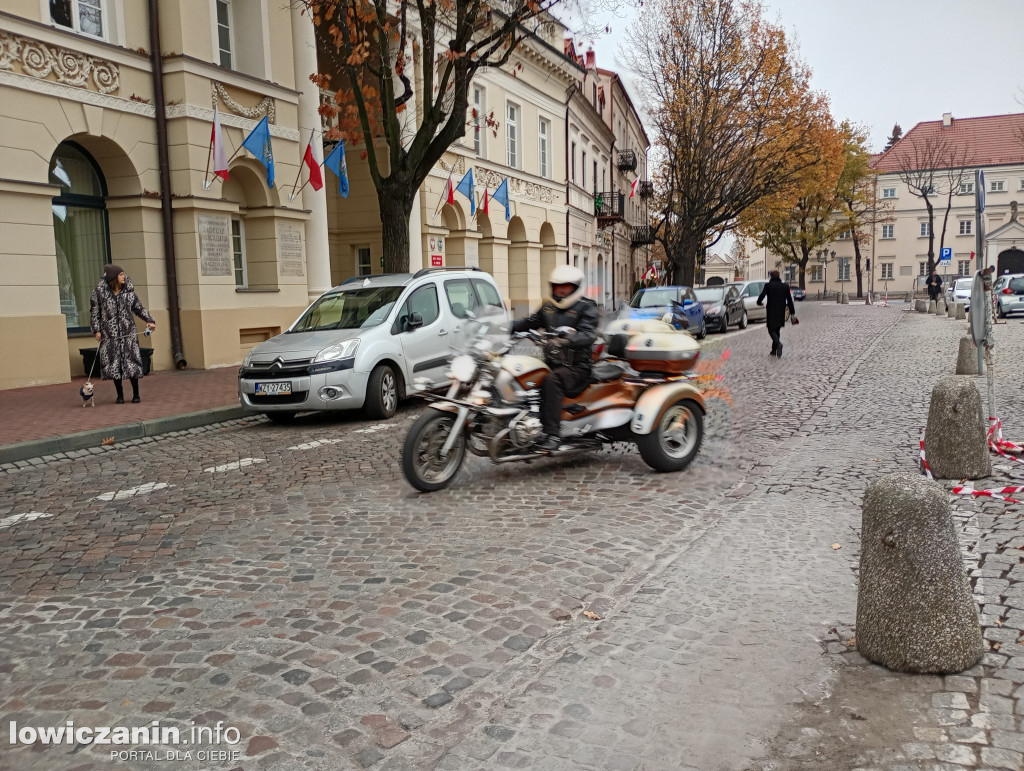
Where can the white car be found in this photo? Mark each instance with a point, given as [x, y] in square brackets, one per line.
[362, 344]
[1008, 294]
[962, 292]
[750, 291]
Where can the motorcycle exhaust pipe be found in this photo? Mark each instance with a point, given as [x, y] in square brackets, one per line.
[538, 455]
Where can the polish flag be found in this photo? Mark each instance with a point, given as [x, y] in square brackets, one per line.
[449, 191]
[632, 188]
[483, 208]
[316, 179]
[220, 158]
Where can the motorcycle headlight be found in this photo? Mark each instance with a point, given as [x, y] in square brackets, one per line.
[463, 368]
[344, 350]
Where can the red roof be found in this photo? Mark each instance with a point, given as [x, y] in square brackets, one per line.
[994, 140]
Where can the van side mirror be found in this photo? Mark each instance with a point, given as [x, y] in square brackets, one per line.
[415, 321]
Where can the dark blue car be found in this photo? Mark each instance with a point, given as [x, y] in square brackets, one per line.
[655, 302]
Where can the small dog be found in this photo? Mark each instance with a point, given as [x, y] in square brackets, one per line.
[86, 394]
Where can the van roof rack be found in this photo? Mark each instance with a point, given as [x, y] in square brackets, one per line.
[425, 271]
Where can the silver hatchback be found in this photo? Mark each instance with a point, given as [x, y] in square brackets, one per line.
[1008, 294]
[750, 291]
[361, 344]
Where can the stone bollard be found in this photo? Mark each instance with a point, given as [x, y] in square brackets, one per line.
[867, 299]
[921, 306]
[915, 611]
[967, 357]
[955, 444]
[839, 298]
[940, 307]
[931, 306]
[961, 313]
[846, 298]
[951, 311]
[910, 297]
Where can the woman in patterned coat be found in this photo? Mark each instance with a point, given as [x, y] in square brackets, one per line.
[113, 303]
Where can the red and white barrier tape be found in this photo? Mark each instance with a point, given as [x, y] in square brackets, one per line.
[1001, 446]
[1002, 493]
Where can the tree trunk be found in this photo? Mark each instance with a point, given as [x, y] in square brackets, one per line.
[931, 236]
[686, 260]
[860, 273]
[395, 204]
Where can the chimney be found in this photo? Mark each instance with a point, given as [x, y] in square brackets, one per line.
[947, 119]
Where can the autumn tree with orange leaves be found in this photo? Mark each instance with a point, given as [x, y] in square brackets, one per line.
[376, 55]
[734, 114]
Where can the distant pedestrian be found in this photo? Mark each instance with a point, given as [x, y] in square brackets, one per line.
[779, 299]
[934, 286]
[113, 303]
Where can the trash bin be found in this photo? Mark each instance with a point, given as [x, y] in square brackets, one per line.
[89, 355]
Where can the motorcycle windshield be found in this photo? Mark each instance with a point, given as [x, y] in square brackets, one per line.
[483, 334]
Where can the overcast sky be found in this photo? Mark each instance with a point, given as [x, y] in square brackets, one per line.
[895, 61]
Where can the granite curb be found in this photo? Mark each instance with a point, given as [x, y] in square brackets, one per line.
[54, 445]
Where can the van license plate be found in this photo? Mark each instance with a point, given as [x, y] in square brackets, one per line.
[279, 388]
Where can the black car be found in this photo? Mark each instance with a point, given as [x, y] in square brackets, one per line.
[723, 307]
[797, 292]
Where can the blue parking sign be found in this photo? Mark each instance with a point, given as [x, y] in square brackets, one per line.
[947, 255]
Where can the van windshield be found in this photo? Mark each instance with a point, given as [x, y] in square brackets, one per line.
[963, 283]
[350, 309]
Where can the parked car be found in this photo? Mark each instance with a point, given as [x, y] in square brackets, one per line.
[797, 292]
[1008, 294]
[749, 291]
[723, 307]
[361, 344]
[655, 302]
[961, 292]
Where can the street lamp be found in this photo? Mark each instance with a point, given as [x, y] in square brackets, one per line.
[823, 256]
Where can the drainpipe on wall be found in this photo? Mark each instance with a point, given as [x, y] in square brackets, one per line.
[170, 265]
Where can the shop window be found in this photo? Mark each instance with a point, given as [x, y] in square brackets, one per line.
[81, 234]
[238, 252]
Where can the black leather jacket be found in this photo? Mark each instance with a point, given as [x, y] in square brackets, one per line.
[582, 316]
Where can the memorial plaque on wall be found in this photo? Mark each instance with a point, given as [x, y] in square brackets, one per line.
[289, 250]
[215, 257]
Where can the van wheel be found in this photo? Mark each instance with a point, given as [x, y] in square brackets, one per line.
[281, 418]
[676, 440]
[382, 393]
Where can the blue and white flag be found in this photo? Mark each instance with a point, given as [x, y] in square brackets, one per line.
[258, 143]
[466, 188]
[501, 196]
[336, 163]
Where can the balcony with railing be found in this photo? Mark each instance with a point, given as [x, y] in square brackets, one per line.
[642, 235]
[610, 207]
[627, 160]
[645, 189]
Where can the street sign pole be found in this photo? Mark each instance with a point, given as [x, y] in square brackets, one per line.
[979, 207]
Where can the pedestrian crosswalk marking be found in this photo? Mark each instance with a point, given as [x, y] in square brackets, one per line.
[235, 465]
[131, 492]
[16, 518]
[314, 444]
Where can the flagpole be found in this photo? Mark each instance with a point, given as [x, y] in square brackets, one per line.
[301, 164]
[440, 203]
[209, 155]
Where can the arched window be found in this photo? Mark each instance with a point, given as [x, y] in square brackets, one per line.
[79, 229]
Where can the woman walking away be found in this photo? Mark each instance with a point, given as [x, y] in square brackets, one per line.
[113, 303]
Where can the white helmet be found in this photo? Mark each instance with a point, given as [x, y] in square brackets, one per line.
[567, 274]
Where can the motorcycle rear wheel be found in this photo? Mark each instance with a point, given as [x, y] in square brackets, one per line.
[676, 440]
[422, 464]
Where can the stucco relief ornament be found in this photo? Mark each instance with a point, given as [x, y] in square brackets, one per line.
[264, 107]
[105, 76]
[71, 68]
[36, 60]
[8, 51]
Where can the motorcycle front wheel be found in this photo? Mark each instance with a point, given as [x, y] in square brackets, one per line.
[676, 440]
[422, 463]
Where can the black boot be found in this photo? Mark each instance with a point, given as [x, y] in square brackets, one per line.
[548, 442]
[135, 390]
[120, 392]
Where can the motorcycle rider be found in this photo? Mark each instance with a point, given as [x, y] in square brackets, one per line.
[569, 356]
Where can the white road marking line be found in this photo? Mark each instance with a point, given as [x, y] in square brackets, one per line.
[16, 518]
[375, 429]
[314, 444]
[131, 492]
[235, 465]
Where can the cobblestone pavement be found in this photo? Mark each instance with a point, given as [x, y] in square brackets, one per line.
[285, 582]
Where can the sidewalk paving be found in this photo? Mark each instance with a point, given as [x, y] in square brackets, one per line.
[44, 420]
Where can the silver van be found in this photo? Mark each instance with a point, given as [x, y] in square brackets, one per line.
[361, 344]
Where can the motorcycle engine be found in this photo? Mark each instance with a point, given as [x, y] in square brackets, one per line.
[525, 431]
